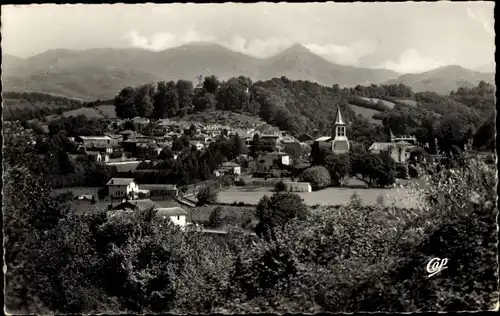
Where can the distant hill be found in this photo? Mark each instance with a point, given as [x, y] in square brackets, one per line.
[443, 80]
[299, 63]
[101, 73]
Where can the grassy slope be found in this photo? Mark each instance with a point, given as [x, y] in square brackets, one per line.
[366, 113]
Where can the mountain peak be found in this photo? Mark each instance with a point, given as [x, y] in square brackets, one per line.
[297, 48]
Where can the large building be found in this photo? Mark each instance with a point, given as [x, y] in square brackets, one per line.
[340, 143]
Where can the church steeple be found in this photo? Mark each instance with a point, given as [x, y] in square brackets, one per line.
[338, 118]
[340, 143]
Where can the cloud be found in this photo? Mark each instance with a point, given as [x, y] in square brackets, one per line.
[344, 54]
[257, 47]
[260, 48]
[478, 17]
[411, 61]
[164, 40]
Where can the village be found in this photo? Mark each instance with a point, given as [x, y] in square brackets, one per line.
[254, 177]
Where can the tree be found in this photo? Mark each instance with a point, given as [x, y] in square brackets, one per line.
[484, 138]
[125, 103]
[161, 100]
[215, 218]
[277, 211]
[339, 167]
[255, 146]
[207, 195]
[211, 84]
[317, 176]
[192, 130]
[203, 101]
[280, 186]
[144, 100]
[185, 91]
[385, 173]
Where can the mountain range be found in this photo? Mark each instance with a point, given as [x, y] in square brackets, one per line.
[102, 72]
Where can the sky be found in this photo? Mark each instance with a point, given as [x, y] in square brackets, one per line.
[407, 37]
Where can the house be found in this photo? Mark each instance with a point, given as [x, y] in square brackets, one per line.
[305, 138]
[97, 156]
[323, 142]
[161, 189]
[176, 214]
[268, 161]
[399, 151]
[340, 143]
[140, 120]
[406, 138]
[272, 139]
[198, 145]
[228, 167]
[121, 187]
[95, 141]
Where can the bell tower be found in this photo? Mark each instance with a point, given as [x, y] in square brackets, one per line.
[340, 143]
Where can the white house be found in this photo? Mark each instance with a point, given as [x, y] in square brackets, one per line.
[122, 187]
[270, 160]
[176, 214]
[228, 167]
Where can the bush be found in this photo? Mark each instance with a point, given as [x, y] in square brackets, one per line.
[280, 187]
[207, 195]
[317, 176]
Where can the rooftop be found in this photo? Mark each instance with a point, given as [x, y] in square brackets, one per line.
[95, 137]
[136, 204]
[380, 146]
[323, 139]
[170, 211]
[120, 181]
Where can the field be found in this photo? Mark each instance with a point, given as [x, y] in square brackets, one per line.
[408, 102]
[329, 196]
[375, 100]
[240, 216]
[366, 113]
[107, 110]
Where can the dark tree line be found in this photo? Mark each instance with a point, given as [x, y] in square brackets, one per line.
[191, 165]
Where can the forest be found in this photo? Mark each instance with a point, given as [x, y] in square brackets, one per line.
[354, 258]
[302, 107]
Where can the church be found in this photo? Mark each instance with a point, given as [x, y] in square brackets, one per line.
[340, 143]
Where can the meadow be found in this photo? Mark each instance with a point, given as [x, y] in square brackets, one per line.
[375, 100]
[366, 113]
[330, 196]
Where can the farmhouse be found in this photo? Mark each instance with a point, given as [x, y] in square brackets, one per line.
[270, 160]
[95, 141]
[97, 156]
[228, 167]
[121, 187]
[176, 214]
[399, 151]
